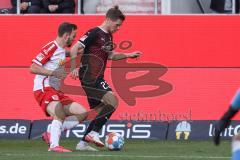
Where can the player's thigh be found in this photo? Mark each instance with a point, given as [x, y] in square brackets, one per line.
[110, 99]
[55, 110]
[75, 108]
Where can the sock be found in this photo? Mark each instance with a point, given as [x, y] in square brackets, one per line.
[230, 113]
[226, 118]
[100, 120]
[55, 133]
[103, 117]
[69, 123]
[89, 129]
[235, 150]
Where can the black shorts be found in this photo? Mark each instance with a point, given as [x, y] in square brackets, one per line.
[95, 91]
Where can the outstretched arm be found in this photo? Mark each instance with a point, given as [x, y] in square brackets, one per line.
[118, 56]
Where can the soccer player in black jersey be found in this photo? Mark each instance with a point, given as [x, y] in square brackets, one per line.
[96, 47]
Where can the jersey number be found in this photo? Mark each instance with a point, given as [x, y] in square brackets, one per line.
[104, 85]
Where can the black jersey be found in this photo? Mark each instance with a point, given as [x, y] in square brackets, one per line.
[97, 44]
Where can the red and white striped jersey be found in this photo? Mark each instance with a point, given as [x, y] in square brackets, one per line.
[51, 57]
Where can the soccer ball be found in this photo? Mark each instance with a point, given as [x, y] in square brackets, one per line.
[114, 141]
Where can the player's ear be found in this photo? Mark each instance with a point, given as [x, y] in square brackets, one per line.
[65, 36]
[108, 20]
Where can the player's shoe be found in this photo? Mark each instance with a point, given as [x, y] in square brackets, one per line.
[94, 138]
[46, 138]
[59, 149]
[85, 147]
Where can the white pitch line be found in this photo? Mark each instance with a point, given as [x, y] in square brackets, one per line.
[109, 155]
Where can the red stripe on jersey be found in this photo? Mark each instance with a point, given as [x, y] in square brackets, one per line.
[46, 52]
[36, 62]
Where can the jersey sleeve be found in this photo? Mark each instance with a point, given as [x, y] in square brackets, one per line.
[87, 38]
[45, 54]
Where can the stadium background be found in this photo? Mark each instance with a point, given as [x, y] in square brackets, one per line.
[196, 54]
[200, 52]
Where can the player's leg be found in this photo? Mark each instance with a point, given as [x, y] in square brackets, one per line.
[101, 99]
[226, 118]
[76, 113]
[55, 110]
[83, 144]
[236, 147]
[110, 105]
[110, 102]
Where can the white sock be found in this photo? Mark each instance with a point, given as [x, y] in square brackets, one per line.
[69, 122]
[55, 133]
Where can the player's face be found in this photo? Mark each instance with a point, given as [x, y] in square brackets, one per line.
[71, 38]
[114, 26]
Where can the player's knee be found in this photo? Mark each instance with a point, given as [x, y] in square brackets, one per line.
[55, 109]
[76, 109]
[114, 102]
[59, 113]
[110, 99]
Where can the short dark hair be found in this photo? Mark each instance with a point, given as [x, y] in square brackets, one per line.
[115, 13]
[66, 27]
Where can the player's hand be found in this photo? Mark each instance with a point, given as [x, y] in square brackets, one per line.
[59, 73]
[135, 54]
[74, 74]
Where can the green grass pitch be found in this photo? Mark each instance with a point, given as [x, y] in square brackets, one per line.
[133, 150]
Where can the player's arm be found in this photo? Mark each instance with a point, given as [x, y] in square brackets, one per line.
[36, 69]
[77, 48]
[118, 56]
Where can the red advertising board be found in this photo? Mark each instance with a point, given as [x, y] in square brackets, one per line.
[189, 66]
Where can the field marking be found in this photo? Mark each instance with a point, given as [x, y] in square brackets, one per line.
[111, 155]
